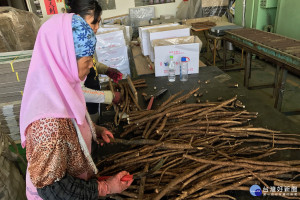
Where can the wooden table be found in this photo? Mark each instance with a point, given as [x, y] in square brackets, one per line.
[215, 39]
[282, 51]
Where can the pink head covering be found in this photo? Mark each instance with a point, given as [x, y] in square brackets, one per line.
[52, 88]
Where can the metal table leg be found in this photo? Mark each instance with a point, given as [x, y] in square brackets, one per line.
[280, 87]
[247, 69]
[242, 58]
[250, 71]
[215, 50]
[224, 54]
[276, 81]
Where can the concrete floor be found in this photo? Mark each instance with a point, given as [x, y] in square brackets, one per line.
[264, 73]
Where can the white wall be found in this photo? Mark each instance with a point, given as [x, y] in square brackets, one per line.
[122, 7]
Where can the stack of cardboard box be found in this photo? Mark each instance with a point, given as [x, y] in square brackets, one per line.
[161, 41]
[179, 47]
[112, 47]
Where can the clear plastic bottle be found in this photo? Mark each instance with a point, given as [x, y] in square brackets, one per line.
[184, 70]
[171, 76]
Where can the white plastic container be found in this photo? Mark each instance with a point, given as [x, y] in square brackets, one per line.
[171, 76]
[184, 69]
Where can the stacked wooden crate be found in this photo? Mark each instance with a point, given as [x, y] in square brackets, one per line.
[12, 184]
[13, 71]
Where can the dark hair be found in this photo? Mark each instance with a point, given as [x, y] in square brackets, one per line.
[84, 7]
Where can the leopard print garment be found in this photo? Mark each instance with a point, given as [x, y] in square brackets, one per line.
[53, 149]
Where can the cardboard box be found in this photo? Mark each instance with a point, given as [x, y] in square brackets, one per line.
[144, 36]
[107, 28]
[214, 3]
[116, 57]
[215, 19]
[114, 38]
[142, 65]
[143, 29]
[128, 34]
[166, 17]
[164, 21]
[120, 19]
[166, 32]
[112, 51]
[182, 48]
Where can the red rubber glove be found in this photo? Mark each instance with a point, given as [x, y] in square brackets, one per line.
[114, 74]
[117, 98]
[113, 185]
[103, 133]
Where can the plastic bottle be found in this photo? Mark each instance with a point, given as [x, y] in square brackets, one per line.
[171, 76]
[184, 69]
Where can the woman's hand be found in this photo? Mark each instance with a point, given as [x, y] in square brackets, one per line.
[117, 98]
[114, 184]
[103, 133]
[114, 74]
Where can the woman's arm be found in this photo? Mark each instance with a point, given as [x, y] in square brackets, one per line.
[70, 188]
[101, 68]
[96, 96]
[55, 159]
[113, 73]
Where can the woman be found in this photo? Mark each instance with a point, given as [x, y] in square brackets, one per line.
[54, 125]
[91, 11]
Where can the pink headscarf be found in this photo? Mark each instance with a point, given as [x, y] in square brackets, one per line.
[52, 88]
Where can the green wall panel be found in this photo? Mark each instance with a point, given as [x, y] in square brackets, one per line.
[250, 5]
[256, 16]
[238, 16]
[288, 18]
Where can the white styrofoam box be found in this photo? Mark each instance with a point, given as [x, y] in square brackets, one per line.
[142, 29]
[128, 32]
[163, 33]
[115, 27]
[162, 57]
[107, 28]
[110, 39]
[144, 36]
[116, 57]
